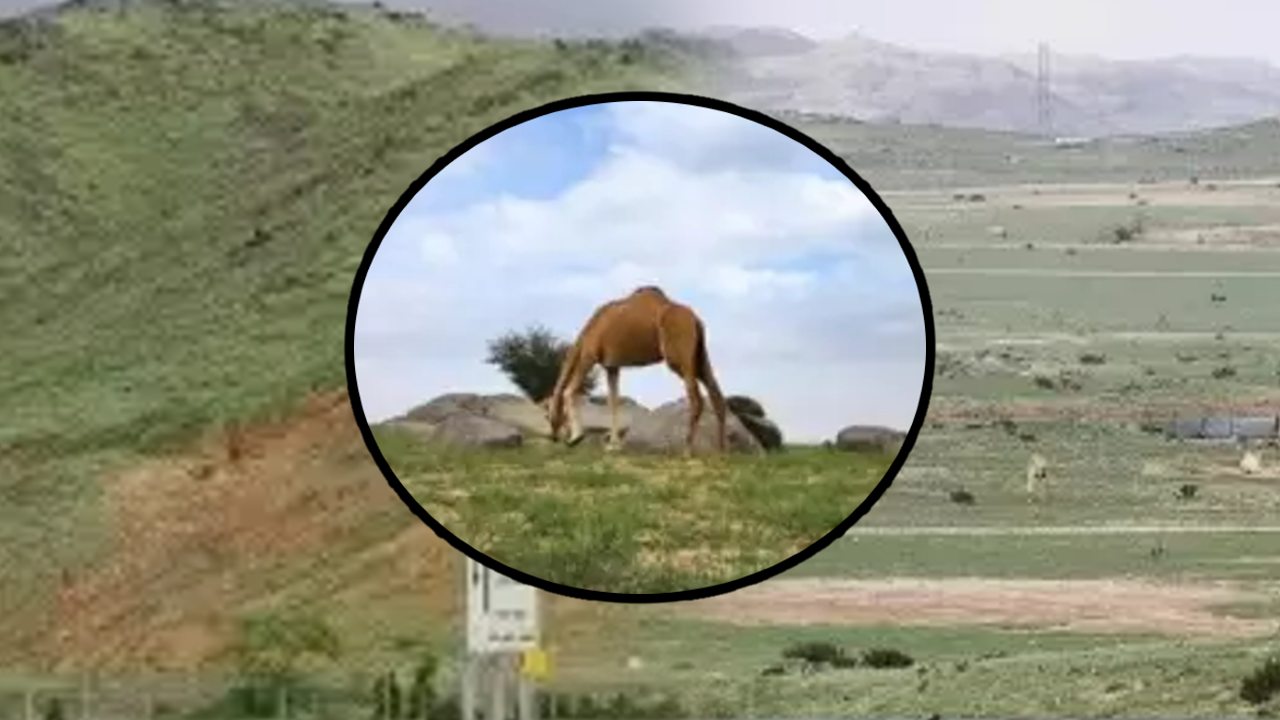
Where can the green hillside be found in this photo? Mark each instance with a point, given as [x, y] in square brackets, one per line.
[185, 193]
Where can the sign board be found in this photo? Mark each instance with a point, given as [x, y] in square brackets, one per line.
[502, 614]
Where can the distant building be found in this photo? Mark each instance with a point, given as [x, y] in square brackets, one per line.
[1071, 142]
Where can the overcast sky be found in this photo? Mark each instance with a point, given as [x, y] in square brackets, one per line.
[1111, 28]
[808, 300]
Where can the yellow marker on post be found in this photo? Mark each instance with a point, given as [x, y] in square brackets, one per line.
[535, 664]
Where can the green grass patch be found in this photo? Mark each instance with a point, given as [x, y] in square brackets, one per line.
[633, 523]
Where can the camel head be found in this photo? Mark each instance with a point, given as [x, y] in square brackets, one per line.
[553, 408]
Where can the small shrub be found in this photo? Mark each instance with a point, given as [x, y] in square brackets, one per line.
[962, 497]
[977, 197]
[1217, 297]
[1188, 491]
[1264, 682]
[386, 696]
[531, 360]
[816, 652]
[1044, 383]
[743, 405]
[1092, 359]
[844, 661]
[422, 690]
[1224, 372]
[886, 658]
[53, 710]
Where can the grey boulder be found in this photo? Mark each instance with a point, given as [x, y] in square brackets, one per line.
[869, 438]
[663, 430]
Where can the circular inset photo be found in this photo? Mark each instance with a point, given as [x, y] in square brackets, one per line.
[639, 347]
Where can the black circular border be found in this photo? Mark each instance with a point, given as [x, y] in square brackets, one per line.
[926, 387]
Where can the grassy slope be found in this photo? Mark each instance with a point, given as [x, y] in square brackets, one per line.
[185, 193]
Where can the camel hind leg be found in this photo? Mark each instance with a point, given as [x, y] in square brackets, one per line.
[708, 379]
[678, 336]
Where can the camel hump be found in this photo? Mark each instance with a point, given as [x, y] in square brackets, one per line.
[649, 289]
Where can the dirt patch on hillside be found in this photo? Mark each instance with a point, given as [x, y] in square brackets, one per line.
[293, 510]
[1093, 606]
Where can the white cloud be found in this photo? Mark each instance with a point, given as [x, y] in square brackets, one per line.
[438, 250]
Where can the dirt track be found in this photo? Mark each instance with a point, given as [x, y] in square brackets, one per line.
[1096, 606]
[1065, 530]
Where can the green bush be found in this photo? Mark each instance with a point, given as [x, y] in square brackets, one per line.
[743, 405]
[422, 691]
[816, 652]
[532, 360]
[1262, 683]
[886, 658]
[272, 653]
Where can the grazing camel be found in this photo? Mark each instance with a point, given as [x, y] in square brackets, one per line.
[644, 328]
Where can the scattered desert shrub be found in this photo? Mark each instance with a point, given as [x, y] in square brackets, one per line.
[1092, 359]
[886, 658]
[817, 652]
[962, 497]
[1262, 683]
[1188, 491]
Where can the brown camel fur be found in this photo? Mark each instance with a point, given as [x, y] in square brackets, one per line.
[644, 328]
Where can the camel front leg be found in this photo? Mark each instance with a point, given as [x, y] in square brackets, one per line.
[571, 391]
[615, 440]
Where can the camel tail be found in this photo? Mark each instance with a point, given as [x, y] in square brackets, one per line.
[705, 372]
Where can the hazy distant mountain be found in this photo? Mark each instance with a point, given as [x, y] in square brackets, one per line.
[761, 41]
[871, 80]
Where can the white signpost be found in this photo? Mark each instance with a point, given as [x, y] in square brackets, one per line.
[502, 614]
[502, 624]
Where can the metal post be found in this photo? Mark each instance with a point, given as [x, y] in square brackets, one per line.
[526, 697]
[468, 686]
[498, 683]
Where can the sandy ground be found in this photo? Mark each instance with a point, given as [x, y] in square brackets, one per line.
[1093, 606]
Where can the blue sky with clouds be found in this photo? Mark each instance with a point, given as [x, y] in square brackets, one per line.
[809, 302]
